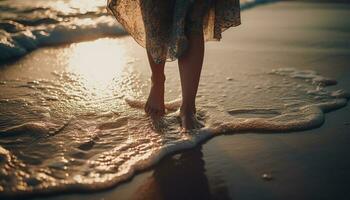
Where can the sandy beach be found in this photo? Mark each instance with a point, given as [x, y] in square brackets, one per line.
[310, 164]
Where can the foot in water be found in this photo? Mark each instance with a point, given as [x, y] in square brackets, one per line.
[154, 106]
[189, 121]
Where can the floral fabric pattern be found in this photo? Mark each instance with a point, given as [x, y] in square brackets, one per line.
[162, 26]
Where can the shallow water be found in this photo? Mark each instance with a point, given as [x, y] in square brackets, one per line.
[66, 121]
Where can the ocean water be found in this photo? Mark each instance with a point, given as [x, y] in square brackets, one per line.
[28, 25]
[65, 126]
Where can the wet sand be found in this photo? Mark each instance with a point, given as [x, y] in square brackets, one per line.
[304, 165]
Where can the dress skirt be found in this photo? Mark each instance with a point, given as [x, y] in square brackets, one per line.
[162, 26]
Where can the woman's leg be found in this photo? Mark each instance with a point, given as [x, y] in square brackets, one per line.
[190, 67]
[155, 103]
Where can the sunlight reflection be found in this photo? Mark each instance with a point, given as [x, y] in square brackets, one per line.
[98, 64]
[80, 6]
[63, 6]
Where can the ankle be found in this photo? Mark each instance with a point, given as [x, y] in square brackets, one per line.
[159, 78]
[187, 110]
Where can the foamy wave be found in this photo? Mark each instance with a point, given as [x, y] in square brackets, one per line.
[20, 43]
[303, 118]
[105, 144]
[307, 75]
[252, 3]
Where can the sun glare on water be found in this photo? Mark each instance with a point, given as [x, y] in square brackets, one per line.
[98, 65]
[81, 6]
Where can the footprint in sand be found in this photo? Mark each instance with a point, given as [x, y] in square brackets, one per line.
[255, 113]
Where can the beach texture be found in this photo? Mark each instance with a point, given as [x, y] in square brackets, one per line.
[286, 39]
[305, 165]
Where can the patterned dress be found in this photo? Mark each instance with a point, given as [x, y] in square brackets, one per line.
[162, 26]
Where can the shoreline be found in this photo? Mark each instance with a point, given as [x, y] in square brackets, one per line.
[209, 146]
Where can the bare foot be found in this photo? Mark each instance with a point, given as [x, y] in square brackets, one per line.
[155, 103]
[189, 121]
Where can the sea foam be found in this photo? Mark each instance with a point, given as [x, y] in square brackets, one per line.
[20, 43]
[89, 144]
